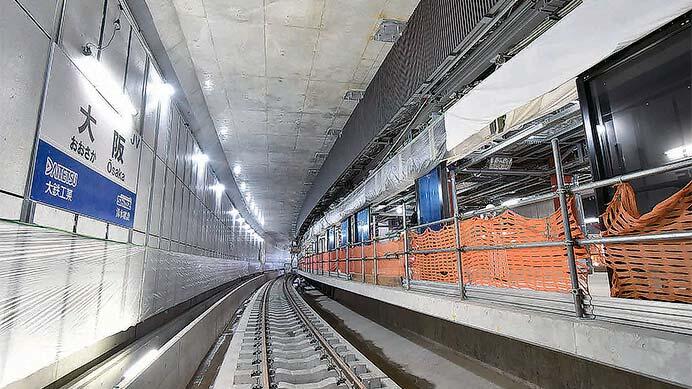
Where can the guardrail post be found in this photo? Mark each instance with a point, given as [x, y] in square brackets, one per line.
[569, 242]
[406, 270]
[374, 249]
[457, 234]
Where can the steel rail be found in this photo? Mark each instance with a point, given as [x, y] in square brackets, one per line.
[335, 357]
[266, 384]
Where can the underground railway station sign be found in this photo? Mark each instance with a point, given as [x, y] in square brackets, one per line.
[88, 154]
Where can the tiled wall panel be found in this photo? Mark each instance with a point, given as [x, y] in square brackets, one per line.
[23, 58]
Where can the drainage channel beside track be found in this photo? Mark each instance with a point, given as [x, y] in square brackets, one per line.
[287, 345]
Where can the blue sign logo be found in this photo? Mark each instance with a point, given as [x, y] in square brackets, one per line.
[61, 181]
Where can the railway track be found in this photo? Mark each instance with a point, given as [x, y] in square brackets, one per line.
[287, 345]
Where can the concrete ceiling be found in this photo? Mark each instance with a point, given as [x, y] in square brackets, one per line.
[273, 74]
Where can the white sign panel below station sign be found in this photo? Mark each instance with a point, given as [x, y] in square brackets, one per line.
[87, 159]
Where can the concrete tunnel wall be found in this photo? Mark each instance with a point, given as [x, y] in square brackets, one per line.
[61, 291]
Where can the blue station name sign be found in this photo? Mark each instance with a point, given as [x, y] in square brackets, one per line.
[87, 159]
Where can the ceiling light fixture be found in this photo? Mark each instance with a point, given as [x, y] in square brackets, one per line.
[162, 90]
[200, 158]
[218, 188]
[679, 152]
[237, 170]
[103, 81]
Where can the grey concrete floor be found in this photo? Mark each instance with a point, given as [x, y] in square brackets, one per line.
[413, 361]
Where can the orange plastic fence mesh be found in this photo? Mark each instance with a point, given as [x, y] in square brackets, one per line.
[390, 261]
[543, 269]
[441, 267]
[392, 265]
[650, 270]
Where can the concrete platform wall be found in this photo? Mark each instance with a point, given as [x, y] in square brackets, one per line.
[548, 350]
[179, 359]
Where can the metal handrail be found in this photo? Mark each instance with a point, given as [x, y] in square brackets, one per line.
[673, 236]
[441, 221]
[560, 192]
[685, 163]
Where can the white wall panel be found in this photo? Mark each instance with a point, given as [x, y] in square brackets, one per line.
[43, 11]
[177, 209]
[184, 214]
[91, 227]
[199, 182]
[151, 109]
[153, 241]
[194, 221]
[23, 58]
[52, 217]
[81, 25]
[173, 147]
[191, 151]
[134, 85]
[10, 207]
[157, 197]
[114, 56]
[181, 158]
[117, 233]
[138, 238]
[164, 133]
[168, 204]
[143, 188]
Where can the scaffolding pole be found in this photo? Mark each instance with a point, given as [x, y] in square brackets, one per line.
[457, 234]
[374, 249]
[569, 242]
[406, 268]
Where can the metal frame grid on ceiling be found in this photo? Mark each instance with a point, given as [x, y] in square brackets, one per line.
[447, 47]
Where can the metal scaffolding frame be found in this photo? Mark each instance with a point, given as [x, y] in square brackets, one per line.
[582, 305]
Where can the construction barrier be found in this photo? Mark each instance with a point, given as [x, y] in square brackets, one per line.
[537, 268]
[438, 267]
[649, 270]
[655, 270]
[390, 263]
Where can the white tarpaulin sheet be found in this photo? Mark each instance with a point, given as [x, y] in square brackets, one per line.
[592, 32]
[61, 293]
[413, 160]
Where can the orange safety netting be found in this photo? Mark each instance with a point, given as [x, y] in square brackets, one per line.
[440, 267]
[652, 270]
[390, 265]
[543, 268]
